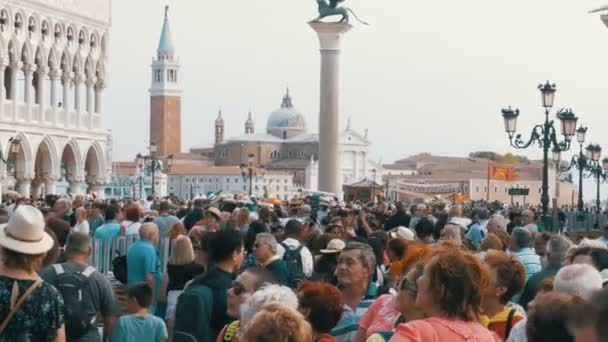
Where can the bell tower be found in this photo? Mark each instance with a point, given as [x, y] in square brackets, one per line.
[165, 95]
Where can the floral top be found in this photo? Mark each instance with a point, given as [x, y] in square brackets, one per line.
[40, 316]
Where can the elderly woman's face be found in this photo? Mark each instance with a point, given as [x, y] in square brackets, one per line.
[262, 251]
[425, 297]
[241, 289]
[405, 301]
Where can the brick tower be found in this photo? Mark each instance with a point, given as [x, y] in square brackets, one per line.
[165, 96]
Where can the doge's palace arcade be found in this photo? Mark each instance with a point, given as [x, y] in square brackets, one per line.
[53, 58]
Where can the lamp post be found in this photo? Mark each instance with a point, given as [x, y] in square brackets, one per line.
[247, 172]
[373, 185]
[580, 161]
[597, 170]
[545, 135]
[153, 166]
[139, 160]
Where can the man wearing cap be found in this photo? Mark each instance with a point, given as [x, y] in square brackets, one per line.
[295, 233]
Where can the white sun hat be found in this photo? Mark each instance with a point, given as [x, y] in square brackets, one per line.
[24, 233]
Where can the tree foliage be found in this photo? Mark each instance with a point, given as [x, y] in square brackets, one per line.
[508, 158]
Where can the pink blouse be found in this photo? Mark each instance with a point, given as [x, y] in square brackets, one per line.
[436, 329]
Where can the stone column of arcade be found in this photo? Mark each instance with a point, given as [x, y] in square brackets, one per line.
[330, 36]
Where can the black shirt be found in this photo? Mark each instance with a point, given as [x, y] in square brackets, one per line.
[179, 275]
[399, 219]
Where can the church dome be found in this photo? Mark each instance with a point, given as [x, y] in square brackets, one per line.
[286, 118]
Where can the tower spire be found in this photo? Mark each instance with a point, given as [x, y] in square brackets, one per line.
[287, 100]
[165, 44]
[249, 125]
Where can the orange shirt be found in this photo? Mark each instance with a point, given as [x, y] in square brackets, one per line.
[498, 323]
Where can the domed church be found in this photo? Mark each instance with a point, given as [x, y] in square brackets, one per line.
[286, 145]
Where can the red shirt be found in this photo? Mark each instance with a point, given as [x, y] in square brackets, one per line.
[325, 338]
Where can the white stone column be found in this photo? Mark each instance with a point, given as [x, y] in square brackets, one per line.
[15, 67]
[330, 35]
[24, 186]
[50, 183]
[66, 80]
[75, 187]
[54, 76]
[99, 96]
[78, 80]
[2, 94]
[90, 83]
[36, 188]
[40, 91]
[28, 70]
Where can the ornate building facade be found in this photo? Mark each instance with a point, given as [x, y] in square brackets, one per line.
[53, 58]
[287, 146]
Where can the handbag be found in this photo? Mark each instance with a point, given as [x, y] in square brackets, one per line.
[16, 305]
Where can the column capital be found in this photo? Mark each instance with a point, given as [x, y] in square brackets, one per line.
[43, 69]
[66, 77]
[79, 78]
[90, 81]
[16, 64]
[101, 84]
[330, 34]
[29, 68]
[54, 74]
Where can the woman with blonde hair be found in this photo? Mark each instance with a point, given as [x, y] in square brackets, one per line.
[176, 230]
[242, 220]
[181, 268]
[277, 322]
[82, 224]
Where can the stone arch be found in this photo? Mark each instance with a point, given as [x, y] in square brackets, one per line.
[23, 159]
[94, 41]
[89, 67]
[70, 169]
[5, 19]
[46, 168]
[82, 38]
[100, 69]
[53, 59]
[46, 29]
[19, 22]
[33, 22]
[94, 166]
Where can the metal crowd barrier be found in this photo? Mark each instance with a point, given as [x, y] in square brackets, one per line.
[576, 222]
[105, 250]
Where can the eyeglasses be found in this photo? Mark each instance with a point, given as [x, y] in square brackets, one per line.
[409, 285]
[238, 288]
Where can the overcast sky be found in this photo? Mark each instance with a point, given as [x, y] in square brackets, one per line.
[426, 76]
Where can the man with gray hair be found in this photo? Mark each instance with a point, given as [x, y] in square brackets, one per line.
[520, 244]
[496, 223]
[267, 294]
[265, 251]
[143, 264]
[96, 298]
[356, 265]
[557, 253]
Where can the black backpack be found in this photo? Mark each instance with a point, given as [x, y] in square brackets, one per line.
[80, 311]
[119, 268]
[295, 268]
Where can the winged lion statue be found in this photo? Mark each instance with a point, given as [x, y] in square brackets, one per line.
[335, 7]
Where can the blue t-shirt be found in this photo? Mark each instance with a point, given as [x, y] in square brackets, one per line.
[139, 328]
[109, 230]
[165, 223]
[475, 234]
[142, 259]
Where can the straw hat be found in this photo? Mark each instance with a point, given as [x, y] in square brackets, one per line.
[403, 233]
[334, 246]
[24, 233]
[215, 212]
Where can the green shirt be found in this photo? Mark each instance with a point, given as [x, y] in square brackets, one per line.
[139, 328]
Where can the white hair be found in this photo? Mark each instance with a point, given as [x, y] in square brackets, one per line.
[581, 280]
[500, 221]
[268, 239]
[585, 242]
[265, 295]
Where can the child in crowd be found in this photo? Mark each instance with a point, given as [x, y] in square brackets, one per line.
[139, 325]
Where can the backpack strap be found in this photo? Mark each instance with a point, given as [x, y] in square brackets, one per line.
[58, 269]
[17, 305]
[88, 271]
[509, 323]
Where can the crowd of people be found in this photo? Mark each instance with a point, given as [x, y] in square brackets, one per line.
[305, 270]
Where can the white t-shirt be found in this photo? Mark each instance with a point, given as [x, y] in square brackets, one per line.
[131, 227]
[82, 227]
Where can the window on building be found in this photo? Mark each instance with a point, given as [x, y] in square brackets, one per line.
[495, 188]
[244, 187]
[540, 190]
[217, 179]
[202, 179]
[187, 180]
[227, 180]
[278, 188]
[485, 188]
[158, 76]
[506, 190]
[477, 188]
[285, 188]
[256, 187]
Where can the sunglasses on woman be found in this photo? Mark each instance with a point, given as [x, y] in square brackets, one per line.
[238, 288]
[409, 285]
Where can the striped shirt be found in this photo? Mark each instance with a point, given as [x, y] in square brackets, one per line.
[530, 260]
[347, 326]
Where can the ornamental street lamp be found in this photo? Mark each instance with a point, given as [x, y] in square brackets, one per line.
[598, 170]
[152, 157]
[545, 135]
[140, 162]
[373, 185]
[582, 162]
[247, 172]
